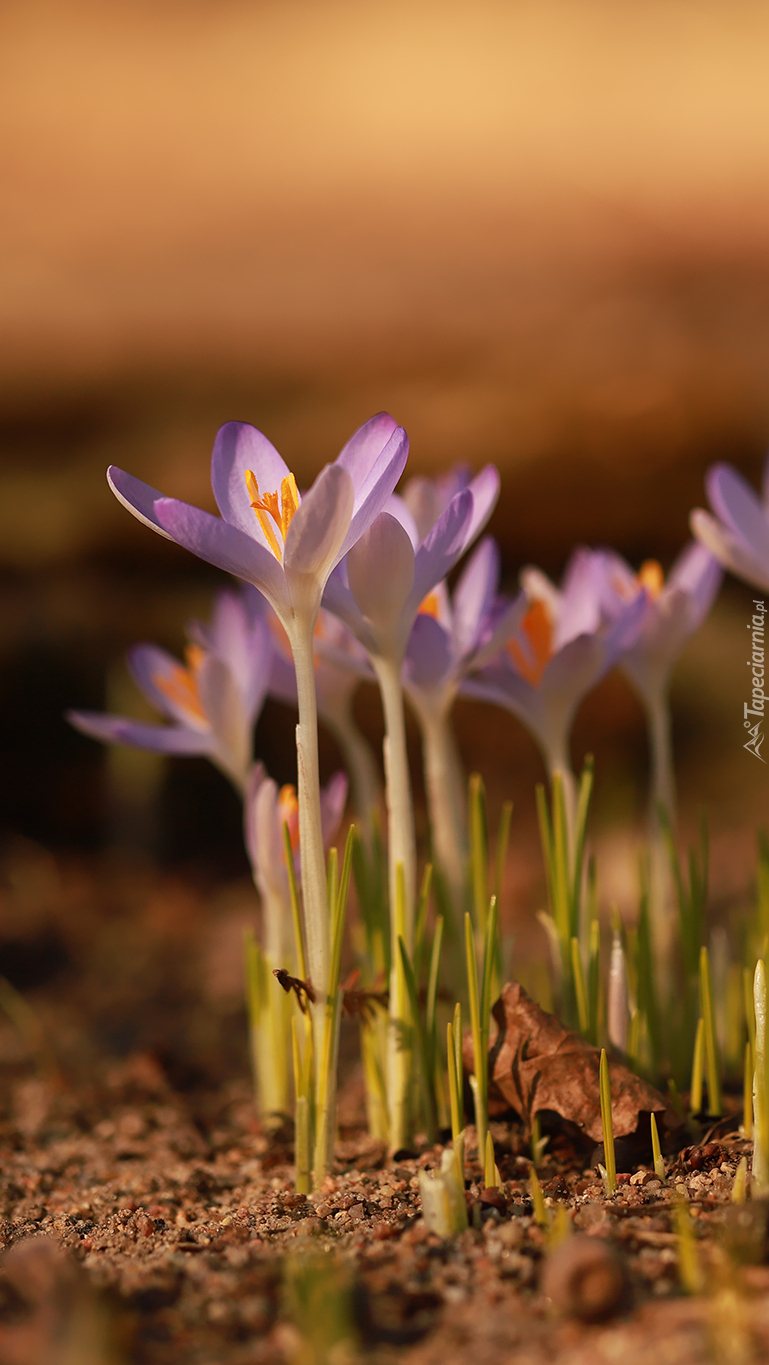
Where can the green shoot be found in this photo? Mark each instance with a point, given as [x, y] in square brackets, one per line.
[740, 1183]
[295, 910]
[709, 1028]
[455, 1084]
[422, 1045]
[302, 1112]
[324, 1086]
[269, 1014]
[491, 1171]
[480, 1012]
[479, 850]
[318, 1301]
[747, 1093]
[659, 1164]
[583, 1013]
[695, 1090]
[443, 1195]
[564, 856]
[401, 1030]
[607, 1125]
[500, 854]
[420, 922]
[538, 1143]
[689, 1268]
[538, 1200]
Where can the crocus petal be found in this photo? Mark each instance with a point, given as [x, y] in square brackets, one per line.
[443, 547]
[223, 704]
[474, 594]
[398, 508]
[485, 490]
[139, 498]
[338, 599]
[238, 447]
[319, 527]
[225, 546]
[150, 667]
[371, 497]
[503, 625]
[160, 739]
[333, 799]
[429, 660]
[579, 612]
[362, 451]
[729, 550]
[380, 569]
[738, 506]
[697, 573]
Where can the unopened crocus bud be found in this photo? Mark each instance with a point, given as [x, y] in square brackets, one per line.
[618, 1013]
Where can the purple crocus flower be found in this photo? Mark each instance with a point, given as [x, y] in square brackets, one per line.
[212, 700]
[454, 635]
[269, 535]
[738, 534]
[563, 648]
[378, 589]
[287, 546]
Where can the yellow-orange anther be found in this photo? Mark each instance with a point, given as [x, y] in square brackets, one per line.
[537, 628]
[651, 577]
[180, 686]
[274, 509]
[288, 810]
[429, 606]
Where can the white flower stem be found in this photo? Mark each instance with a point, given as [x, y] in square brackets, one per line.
[662, 779]
[402, 887]
[314, 888]
[400, 809]
[445, 785]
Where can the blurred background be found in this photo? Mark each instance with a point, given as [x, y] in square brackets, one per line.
[536, 232]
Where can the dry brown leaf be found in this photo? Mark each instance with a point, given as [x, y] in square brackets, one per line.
[536, 1064]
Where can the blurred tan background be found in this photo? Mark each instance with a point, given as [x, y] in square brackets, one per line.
[535, 232]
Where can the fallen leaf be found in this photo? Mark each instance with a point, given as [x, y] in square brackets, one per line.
[536, 1064]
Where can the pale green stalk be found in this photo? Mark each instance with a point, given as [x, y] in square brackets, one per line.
[314, 889]
[538, 1200]
[269, 1018]
[709, 1030]
[661, 798]
[402, 884]
[607, 1125]
[325, 1078]
[689, 1267]
[491, 1176]
[445, 786]
[695, 1090]
[583, 1013]
[455, 1084]
[740, 1183]
[659, 1164]
[747, 1093]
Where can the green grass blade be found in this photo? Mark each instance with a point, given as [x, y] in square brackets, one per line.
[607, 1125]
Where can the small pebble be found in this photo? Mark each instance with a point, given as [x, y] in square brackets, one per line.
[585, 1278]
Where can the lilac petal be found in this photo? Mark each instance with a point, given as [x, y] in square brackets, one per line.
[429, 658]
[580, 612]
[697, 573]
[617, 583]
[624, 632]
[729, 550]
[380, 569]
[503, 625]
[362, 451]
[319, 527]
[398, 508]
[139, 498]
[159, 739]
[485, 491]
[149, 667]
[238, 447]
[474, 594]
[338, 599]
[735, 502]
[446, 542]
[218, 543]
[371, 498]
[223, 704]
[333, 799]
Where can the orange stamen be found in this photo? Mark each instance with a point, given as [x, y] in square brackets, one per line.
[180, 686]
[288, 810]
[429, 605]
[274, 509]
[651, 577]
[537, 628]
